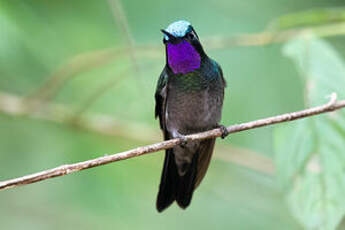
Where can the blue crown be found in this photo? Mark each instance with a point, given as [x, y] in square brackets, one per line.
[178, 29]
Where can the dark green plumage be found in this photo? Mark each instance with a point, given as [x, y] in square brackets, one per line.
[187, 102]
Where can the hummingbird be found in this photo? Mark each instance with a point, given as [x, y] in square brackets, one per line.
[189, 99]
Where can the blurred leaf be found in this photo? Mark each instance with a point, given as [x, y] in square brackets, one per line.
[310, 154]
[314, 169]
[309, 18]
[292, 157]
[322, 67]
[323, 70]
[341, 226]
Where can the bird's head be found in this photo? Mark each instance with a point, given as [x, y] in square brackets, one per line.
[181, 31]
[183, 48]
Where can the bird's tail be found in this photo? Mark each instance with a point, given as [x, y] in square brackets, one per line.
[180, 188]
[169, 180]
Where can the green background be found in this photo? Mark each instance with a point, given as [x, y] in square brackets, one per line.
[37, 38]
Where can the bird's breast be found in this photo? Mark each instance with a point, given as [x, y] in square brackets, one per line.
[195, 109]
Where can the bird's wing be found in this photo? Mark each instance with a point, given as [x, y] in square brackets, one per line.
[220, 71]
[161, 98]
[169, 177]
[206, 146]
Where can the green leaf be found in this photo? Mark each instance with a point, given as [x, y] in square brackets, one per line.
[310, 154]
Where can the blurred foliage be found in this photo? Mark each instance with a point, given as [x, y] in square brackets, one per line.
[309, 18]
[310, 153]
[41, 39]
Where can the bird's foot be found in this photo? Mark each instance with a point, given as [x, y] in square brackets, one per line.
[183, 139]
[224, 131]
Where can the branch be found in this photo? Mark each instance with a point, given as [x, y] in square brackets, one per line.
[264, 38]
[15, 106]
[71, 68]
[271, 37]
[97, 58]
[332, 105]
[245, 158]
[99, 92]
[121, 18]
[119, 15]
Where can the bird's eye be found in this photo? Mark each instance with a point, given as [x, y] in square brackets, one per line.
[191, 36]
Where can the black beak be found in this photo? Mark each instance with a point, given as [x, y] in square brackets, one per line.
[171, 37]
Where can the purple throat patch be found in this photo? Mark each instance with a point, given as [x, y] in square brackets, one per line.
[182, 57]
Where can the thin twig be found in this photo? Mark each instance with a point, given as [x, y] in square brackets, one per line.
[74, 66]
[121, 18]
[85, 61]
[332, 105]
[254, 39]
[101, 90]
[92, 59]
[272, 37]
[245, 157]
[15, 106]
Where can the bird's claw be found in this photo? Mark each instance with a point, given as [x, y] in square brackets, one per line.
[183, 141]
[224, 131]
[183, 138]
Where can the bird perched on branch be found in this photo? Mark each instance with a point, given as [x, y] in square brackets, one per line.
[189, 99]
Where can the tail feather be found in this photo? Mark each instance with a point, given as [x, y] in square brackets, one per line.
[169, 180]
[186, 184]
[205, 154]
[180, 188]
